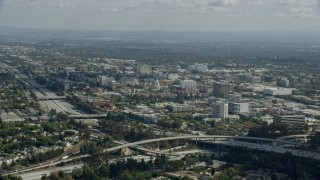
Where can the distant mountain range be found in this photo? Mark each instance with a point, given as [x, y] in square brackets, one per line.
[294, 35]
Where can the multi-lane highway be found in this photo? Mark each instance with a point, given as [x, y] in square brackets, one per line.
[210, 139]
[200, 137]
[269, 148]
[36, 175]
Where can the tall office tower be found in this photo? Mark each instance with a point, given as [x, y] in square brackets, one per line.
[221, 89]
[220, 109]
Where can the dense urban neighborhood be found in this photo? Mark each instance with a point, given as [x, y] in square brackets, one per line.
[66, 115]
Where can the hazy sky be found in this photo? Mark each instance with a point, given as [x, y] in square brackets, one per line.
[171, 15]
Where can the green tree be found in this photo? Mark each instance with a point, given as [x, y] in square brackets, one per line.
[62, 116]
[213, 171]
[104, 171]
[53, 112]
[314, 140]
[45, 177]
[88, 172]
[11, 177]
[275, 176]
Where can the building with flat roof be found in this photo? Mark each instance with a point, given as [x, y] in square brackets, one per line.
[290, 119]
[181, 108]
[220, 109]
[240, 107]
[188, 84]
[125, 81]
[104, 80]
[10, 117]
[144, 69]
[277, 91]
[221, 89]
[283, 82]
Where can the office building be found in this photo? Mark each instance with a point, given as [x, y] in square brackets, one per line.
[104, 80]
[125, 81]
[268, 79]
[220, 109]
[283, 82]
[181, 108]
[221, 89]
[144, 69]
[188, 84]
[290, 119]
[240, 107]
[277, 91]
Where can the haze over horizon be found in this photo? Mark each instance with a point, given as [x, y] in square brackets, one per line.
[162, 15]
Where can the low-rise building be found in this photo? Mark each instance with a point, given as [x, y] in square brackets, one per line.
[181, 108]
[129, 81]
[277, 91]
[290, 119]
[104, 80]
[240, 107]
[10, 117]
[188, 84]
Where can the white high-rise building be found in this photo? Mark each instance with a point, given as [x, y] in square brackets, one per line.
[104, 80]
[240, 107]
[220, 109]
[188, 84]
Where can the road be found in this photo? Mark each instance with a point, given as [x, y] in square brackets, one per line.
[47, 99]
[36, 175]
[46, 165]
[144, 149]
[269, 148]
[198, 137]
[294, 137]
[87, 116]
[230, 143]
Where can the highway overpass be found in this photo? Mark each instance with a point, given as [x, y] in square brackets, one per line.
[213, 138]
[200, 137]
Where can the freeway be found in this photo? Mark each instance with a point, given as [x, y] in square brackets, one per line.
[198, 137]
[41, 166]
[268, 148]
[137, 147]
[293, 137]
[144, 149]
[87, 116]
[36, 175]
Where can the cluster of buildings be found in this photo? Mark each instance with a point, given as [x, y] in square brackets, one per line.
[227, 92]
